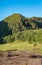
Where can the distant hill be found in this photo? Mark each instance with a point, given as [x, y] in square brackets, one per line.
[17, 23]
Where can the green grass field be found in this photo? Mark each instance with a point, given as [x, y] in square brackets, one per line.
[21, 45]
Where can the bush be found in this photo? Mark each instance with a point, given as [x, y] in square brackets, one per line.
[7, 39]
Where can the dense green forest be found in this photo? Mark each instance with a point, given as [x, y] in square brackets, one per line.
[18, 27]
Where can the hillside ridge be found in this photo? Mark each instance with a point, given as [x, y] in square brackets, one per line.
[17, 23]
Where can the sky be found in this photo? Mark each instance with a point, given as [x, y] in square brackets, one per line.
[28, 8]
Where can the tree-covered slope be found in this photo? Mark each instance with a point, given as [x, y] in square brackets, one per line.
[16, 23]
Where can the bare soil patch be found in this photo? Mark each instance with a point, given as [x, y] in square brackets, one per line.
[20, 58]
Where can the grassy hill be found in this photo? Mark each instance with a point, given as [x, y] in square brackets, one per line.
[19, 32]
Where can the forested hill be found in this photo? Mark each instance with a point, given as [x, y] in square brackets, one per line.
[17, 22]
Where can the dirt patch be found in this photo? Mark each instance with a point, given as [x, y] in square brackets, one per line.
[20, 58]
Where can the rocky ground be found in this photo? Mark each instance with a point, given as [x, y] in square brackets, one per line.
[20, 58]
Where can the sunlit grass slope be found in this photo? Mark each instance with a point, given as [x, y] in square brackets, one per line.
[20, 45]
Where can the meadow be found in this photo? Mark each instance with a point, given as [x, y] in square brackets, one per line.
[22, 45]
